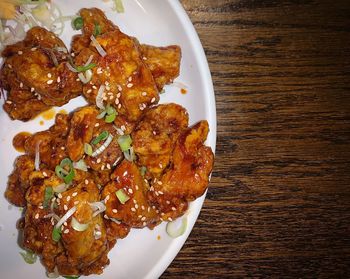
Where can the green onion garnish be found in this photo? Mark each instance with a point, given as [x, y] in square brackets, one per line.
[110, 118]
[101, 115]
[87, 149]
[124, 142]
[71, 276]
[47, 196]
[122, 196]
[85, 68]
[62, 172]
[97, 30]
[28, 256]
[78, 23]
[119, 6]
[143, 170]
[100, 137]
[56, 234]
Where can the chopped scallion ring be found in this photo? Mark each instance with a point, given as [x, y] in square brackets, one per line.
[97, 29]
[124, 142]
[87, 149]
[118, 6]
[100, 137]
[56, 234]
[111, 117]
[28, 256]
[80, 165]
[143, 170]
[47, 196]
[177, 227]
[101, 115]
[78, 23]
[63, 173]
[122, 196]
[71, 276]
[85, 68]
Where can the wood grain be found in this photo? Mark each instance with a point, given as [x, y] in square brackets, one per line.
[278, 205]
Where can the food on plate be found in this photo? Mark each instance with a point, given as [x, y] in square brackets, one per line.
[121, 162]
[35, 75]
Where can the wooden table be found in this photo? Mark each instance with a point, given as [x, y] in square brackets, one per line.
[279, 200]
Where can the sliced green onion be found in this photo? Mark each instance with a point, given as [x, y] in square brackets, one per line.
[129, 154]
[85, 68]
[87, 149]
[102, 114]
[100, 137]
[62, 173]
[28, 256]
[118, 6]
[122, 196]
[71, 276]
[124, 142]
[80, 165]
[175, 228]
[78, 226]
[78, 23]
[60, 188]
[56, 234]
[110, 110]
[103, 147]
[143, 170]
[97, 29]
[110, 118]
[48, 196]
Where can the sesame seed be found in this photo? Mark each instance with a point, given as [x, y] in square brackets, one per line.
[52, 222]
[108, 166]
[167, 202]
[65, 207]
[119, 88]
[32, 89]
[130, 79]
[102, 167]
[133, 209]
[66, 231]
[144, 58]
[36, 216]
[119, 106]
[77, 79]
[99, 70]
[58, 79]
[44, 174]
[159, 182]
[63, 148]
[125, 173]
[97, 124]
[8, 102]
[94, 87]
[118, 95]
[129, 85]
[98, 160]
[136, 187]
[157, 194]
[50, 81]
[115, 211]
[107, 198]
[89, 91]
[72, 54]
[116, 101]
[144, 93]
[109, 93]
[123, 127]
[106, 83]
[74, 194]
[153, 100]
[76, 202]
[143, 218]
[33, 49]
[65, 224]
[162, 214]
[154, 133]
[68, 198]
[108, 88]
[105, 98]
[148, 209]
[86, 181]
[49, 75]
[170, 219]
[21, 85]
[105, 216]
[41, 207]
[111, 97]
[153, 207]
[130, 190]
[142, 207]
[144, 223]
[173, 209]
[20, 52]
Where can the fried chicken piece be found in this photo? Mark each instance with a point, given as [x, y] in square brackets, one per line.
[35, 75]
[164, 63]
[135, 211]
[82, 247]
[188, 176]
[155, 136]
[18, 182]
[127, 83]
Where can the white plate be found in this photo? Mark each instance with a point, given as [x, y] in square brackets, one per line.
[142, 254]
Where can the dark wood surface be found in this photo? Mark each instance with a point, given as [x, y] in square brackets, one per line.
[278, 205]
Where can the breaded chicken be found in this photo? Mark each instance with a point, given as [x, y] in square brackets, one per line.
[35, 75]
